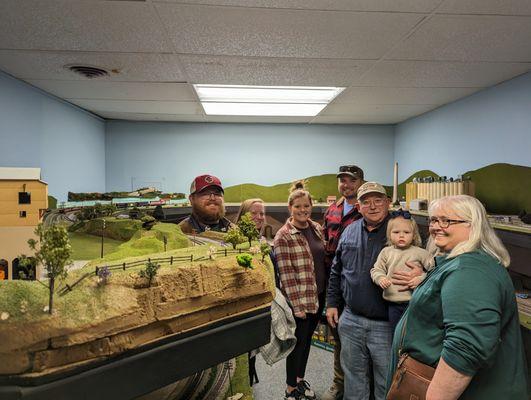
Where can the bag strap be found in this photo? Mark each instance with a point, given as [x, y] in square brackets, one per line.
[403, 333]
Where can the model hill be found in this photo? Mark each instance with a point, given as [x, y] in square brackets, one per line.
[96, 321]
[136, 240]
[503, 188]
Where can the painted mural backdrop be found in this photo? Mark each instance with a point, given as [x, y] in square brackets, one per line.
[503, 188]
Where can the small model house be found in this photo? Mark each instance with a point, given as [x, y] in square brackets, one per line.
[23, 201]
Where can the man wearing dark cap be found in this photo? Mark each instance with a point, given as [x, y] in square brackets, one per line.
[208, 208]
[338, 216]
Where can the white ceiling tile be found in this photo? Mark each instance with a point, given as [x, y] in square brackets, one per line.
[393, 95]
[500, 7]
[441, 74]
[469, 38]
[26, 64]
[92, 89]
[282, 33]
[151, 117]
[156, 107]
[272, 71]
[80, 25]
[422, 6]
[257, 119]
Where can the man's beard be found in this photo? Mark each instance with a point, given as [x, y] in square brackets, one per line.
[208, 217]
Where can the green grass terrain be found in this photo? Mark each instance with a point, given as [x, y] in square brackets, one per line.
[147, 242]
[503, 188]
[115, 228]
[240, 380]
[319, 186]
[88, 247]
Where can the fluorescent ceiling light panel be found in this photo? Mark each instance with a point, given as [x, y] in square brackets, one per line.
[263, 109]
[265, 100]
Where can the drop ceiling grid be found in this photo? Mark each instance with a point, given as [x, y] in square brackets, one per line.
[418, 6]
[296, 42]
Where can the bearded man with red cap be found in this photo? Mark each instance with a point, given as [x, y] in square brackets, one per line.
[208, 208]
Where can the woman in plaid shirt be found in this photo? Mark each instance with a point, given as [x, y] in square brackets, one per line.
[299, 252]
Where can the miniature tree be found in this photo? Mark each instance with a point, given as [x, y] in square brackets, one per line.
[27, 267]
[265, 249]
[150, 271]
[147, 222]
[234, 237]
[248, 228]
[53, 251]
[245, 260]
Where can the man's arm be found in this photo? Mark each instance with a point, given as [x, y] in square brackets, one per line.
[334, 295]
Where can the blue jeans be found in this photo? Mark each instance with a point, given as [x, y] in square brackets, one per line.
[363, 341]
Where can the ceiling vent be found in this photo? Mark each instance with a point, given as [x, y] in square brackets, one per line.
[87, 71]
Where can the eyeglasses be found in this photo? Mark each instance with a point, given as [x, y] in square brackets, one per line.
[376, 202]
[209, 193]
[445, 222]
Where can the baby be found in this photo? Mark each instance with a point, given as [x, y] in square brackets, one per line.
[403, 240]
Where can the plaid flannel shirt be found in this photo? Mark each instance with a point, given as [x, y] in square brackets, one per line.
[295, 267]
[283, 326]
[334, 225]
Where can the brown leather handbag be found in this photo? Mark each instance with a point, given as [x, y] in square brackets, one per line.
[411, 378]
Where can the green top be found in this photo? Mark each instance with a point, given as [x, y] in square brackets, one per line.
[465, 311]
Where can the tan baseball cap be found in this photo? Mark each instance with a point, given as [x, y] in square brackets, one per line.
[370, 187]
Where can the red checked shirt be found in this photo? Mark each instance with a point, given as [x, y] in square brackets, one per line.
[295, 266]
[334, 225]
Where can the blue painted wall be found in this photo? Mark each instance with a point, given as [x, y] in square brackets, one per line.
[37, 130]
[491, 126]
[169, 155]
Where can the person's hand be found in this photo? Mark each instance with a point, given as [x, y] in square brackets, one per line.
[385, 283]
[332, 316]
[300, 314]
[413, 283]
[405, 278]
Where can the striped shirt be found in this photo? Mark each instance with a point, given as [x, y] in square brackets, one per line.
[296, 267]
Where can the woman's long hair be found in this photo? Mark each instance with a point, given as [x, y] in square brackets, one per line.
[482, 235]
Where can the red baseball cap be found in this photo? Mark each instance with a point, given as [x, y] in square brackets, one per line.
[201, 182]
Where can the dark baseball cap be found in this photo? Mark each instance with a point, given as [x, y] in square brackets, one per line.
[351, 170]
[201, 182]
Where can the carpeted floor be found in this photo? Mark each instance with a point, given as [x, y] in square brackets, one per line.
[319, 374]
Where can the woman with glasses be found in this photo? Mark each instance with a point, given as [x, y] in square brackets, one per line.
[462, 319]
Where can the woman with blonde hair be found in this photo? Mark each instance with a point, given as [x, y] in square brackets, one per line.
[256, 208]
[463, 320]
[299, 252]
